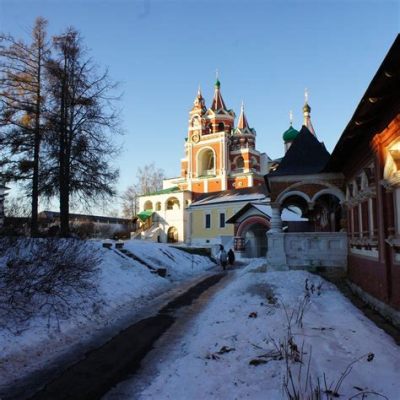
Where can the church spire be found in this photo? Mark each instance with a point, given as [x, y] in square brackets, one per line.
[242, 122]
[218, 102]
[199, 105]
[307, 114]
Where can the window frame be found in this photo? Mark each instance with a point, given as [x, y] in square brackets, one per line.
[207, 218]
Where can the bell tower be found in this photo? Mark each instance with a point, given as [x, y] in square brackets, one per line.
[206, 163]
[218, 155]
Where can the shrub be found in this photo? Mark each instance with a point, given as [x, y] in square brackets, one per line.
[45, 278]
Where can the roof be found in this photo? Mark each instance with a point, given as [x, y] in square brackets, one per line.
[218, 101]
[306, 155]
[265, 209]
[163, 191]
[144, 215]
[290, 134]
[242, 122]
[377, 108]
[235, 195]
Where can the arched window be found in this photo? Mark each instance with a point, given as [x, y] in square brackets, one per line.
[240, 162]
[195, 122]
[158, 206]
[206, 163]
[221, 127]
[148, 205]
[172, 203]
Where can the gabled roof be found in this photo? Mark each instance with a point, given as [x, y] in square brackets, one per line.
[377, 108]
[255, 193]
[265, 210]
[306, 155]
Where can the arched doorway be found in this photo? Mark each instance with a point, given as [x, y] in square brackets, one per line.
[172, 235]
[253, 231]
[327, 213]
[256, 240]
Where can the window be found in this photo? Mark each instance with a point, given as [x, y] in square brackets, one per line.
[221, 127]
[172, 204]
[222, 220]
[208, 221]
[240, 163]
[206, 163]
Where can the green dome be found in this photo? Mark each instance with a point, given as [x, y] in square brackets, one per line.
[217, 83]
[290, 134]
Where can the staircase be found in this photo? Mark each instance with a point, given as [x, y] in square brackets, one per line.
[151, 233]
[160, 271]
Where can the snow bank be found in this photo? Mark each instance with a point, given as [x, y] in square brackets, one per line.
[124, 287]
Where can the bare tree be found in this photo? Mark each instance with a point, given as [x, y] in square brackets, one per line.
[22, 109]
[150, 179]
[82, 117]
[129, 199]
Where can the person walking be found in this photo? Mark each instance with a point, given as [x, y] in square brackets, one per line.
[223, 257]
[231, 257]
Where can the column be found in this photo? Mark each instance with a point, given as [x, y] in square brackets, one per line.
[276, 220]
[276, 255]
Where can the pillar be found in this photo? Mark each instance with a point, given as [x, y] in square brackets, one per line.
[276, 255]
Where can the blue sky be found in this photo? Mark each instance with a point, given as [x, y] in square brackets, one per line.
[266, 52]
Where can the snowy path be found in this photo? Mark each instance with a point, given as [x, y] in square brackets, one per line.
[127, 293]
[212, 355]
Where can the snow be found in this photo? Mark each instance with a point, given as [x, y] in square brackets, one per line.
[206, 354]
[286, 215]
[194, 362]
[124, 288]
[228, 198]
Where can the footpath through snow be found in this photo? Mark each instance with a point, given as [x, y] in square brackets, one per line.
[125, 288]
[238, 347]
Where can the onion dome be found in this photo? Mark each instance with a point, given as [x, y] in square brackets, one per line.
[290, 134]
[306, 108]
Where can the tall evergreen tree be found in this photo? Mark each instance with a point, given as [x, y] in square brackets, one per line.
[82, 120]
[22, 109]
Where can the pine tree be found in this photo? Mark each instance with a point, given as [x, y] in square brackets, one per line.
[22, 109]
[82, 119]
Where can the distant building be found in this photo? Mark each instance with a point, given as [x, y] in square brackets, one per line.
[99, 226]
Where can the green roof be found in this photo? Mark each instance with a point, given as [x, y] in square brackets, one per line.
[163, 191]
[146, 214]
[290, 134]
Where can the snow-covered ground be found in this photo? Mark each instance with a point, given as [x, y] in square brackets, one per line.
[124, 288]
[231, 349]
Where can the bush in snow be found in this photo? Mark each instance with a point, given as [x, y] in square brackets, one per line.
[44, 278]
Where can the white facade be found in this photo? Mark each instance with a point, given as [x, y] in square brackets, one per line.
[169, 212]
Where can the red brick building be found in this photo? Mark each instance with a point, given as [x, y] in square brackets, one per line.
[368, 156]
